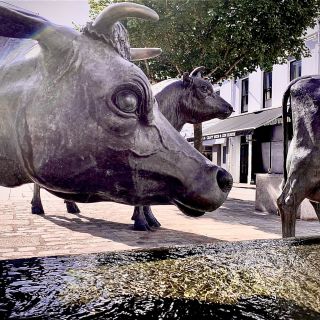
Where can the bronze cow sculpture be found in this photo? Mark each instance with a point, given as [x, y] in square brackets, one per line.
[187, 100]
[301, 164]
[81, 121]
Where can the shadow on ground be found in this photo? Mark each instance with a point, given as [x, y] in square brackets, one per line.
[236, 211]
[242, 212]
[124, 233]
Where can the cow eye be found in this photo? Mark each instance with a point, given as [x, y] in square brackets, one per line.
[127, 101]
[128, 98]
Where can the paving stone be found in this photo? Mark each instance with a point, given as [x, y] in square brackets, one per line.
[16, 241]
[105, 227]
[5, 250]
[15, 255]
[27, 249]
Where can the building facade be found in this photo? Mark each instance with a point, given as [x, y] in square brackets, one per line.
[250, 141]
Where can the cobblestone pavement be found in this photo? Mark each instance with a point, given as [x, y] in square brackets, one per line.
[108, 227]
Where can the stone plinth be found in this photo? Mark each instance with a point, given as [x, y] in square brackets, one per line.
[268, 190]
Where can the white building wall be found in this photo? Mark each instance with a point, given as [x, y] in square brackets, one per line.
[255, 91]
[226, 91]
[231, 92]
[280, 80]
[310, 65]
[237, 97]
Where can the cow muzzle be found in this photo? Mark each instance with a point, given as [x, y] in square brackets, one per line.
[224, 180]
[197, 202]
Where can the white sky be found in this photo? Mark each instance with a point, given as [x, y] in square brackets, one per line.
[62, 12]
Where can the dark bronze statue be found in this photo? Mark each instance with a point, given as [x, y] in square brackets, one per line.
[81, 121]
[301, 164]
[189, 100]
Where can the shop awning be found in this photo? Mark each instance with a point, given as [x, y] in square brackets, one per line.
[243, 124]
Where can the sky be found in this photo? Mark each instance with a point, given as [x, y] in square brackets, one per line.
[62, 12]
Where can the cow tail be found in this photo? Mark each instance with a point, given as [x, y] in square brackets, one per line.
[285, 99]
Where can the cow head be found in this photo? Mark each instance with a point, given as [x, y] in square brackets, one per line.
[88, 126]
[202, 103]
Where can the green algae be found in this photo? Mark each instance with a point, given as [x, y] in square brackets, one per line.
[290, 273]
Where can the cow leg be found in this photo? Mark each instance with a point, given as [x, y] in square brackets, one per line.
[151, 219]
[36, 205]
[288, 204]
[316, 206]
[140, 221]
[71, 206]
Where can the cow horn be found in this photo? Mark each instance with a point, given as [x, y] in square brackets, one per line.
[197, 72]
[117, 11]
[144, 53]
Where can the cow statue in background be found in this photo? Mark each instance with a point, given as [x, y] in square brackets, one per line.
[187, 100]
[80, 120]
[302, 163]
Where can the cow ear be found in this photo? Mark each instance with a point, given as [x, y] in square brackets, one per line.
[197, 72]
[186, 80]
[22, 24]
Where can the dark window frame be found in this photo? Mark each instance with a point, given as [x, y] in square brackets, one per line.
[224, 154]
[244, 95]
[295, 69]
[267, 87]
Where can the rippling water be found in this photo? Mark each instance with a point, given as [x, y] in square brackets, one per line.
[277, 279]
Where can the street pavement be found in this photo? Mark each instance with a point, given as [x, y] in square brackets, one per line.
[103, 227]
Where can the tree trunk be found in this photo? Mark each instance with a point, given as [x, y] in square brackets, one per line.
[197, 131]
[147, 68]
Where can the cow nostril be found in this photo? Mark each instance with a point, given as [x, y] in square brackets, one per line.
[224, 180]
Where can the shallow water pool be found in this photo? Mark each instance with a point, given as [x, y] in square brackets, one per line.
[270, 279]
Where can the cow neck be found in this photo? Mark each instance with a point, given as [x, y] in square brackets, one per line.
[171, 100]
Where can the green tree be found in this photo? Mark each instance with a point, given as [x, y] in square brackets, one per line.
[229, 37]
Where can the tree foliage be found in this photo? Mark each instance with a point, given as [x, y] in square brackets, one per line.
[228, 37]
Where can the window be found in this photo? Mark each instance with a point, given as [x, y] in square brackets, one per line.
[207, 152]
[295, 69]
[244, 95]
[267, 89]
[224, 154]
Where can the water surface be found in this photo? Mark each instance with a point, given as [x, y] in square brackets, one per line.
[270, 279]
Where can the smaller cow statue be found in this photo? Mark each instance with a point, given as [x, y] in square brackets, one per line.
[187, 100]
[301, 164]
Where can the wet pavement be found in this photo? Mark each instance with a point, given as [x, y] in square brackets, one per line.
[106, 227]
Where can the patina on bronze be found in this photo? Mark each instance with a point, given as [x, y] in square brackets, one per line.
[81, 121]
[301, 164]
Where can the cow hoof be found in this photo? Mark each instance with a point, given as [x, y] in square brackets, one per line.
[154, 224]
[151, 219]
[37, 210]
[141, 227]
[72, 207]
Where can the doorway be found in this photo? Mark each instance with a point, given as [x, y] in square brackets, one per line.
[244, 161]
